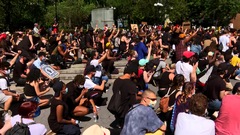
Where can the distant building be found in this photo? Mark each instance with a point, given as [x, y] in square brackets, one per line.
[236, 21]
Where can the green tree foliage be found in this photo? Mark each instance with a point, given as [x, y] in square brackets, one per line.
[70, 13]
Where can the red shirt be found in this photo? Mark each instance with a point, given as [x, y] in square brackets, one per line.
[228, 121]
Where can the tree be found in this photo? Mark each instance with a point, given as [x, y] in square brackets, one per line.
[70, 12]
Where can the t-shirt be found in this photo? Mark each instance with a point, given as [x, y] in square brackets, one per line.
[53, 44]
[52, 119]
[98, 67]
[139, 120]
[25, 44]
[3, 84]
[235, 60]
[141, 50]
[189, 124]
[35, 129]
[224, 39]
[128, 94]
[228, 119]
[18, 70]
[89, 84]
[185, 69]
[214, 86]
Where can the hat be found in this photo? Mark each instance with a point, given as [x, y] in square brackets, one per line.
[210, 53]
[143, 62]
[131, 67]
[57, 88]
[90, 68]
[182, 35]
[188, 54]
[96, 130]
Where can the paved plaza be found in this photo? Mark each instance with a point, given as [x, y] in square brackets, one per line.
[105, 117]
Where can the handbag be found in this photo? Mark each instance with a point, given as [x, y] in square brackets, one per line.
[164, 101]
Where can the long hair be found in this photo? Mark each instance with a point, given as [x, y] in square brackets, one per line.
[187, 88]
[33, 75]
[178, 81]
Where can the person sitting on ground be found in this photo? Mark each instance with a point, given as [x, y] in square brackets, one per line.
[76, 98]
[20, 71]
[26, 114]
[97, 63]
[141, 118]
[229, 114]
[127, 88]
[182, 102]
[5, 83]
[94, 89]
[59, 120]
[32, 89]
[195, 119]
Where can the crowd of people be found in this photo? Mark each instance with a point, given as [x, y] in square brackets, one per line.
[196, 83]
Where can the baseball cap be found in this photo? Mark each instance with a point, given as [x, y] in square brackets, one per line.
[188, 54]
[143, 62]
[210, 53]
[57, 88]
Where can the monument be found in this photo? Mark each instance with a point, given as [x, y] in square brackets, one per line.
[102, 16]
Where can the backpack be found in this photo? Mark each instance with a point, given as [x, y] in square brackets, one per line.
[163, 104]
[20, 129]
[114, 105]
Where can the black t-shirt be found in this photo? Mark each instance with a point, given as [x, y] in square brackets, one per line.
[53, 44]
[165, 38]
[25, 44]
[202, 64]
[29, 90]
[128, 94]
[73, 93]
[89, 41]
[18, 70]
[214, 86]
[52, 119]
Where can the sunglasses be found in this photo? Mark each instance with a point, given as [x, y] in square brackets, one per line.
[153, 99]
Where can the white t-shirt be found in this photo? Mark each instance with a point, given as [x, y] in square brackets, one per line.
[35, 129]
[95, 64]
[224, 39]
[3, 84]
[185, 69]
[189, 124]
[89, 83]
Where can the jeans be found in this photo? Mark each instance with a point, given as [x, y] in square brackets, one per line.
[98, 80]
[214, 105]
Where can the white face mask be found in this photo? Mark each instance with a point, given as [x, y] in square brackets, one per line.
[80, 86]
[7, 72]
[152, 103]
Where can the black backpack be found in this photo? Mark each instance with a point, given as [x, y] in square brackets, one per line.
[114, 105]
[20, 129]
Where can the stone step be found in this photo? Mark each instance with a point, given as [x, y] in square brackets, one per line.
[81, 70]
[71, 76]
[121, 63]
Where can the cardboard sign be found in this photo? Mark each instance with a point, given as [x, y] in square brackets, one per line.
[144, 23]
[186, 25]
[49, 71]
[134, 27]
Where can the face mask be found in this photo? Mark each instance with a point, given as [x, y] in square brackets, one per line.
[80, 86]
[37, 112]
[7, 72]
[66, 91]
[44, 58]
[152, 103]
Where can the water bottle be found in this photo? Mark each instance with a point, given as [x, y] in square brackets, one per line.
[77, 121]
[95, 117]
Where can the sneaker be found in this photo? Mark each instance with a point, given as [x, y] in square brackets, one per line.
[237, 78]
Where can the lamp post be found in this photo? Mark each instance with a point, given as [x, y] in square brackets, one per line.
[158, 4]
[55, 5]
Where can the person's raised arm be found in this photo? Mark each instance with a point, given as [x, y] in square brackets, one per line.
[193, 75]
[102, 58]
[12, 62]
[117, 33]
[60, 36]
[149, 51]
[189, 38]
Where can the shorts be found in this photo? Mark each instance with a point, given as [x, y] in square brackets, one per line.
[4, 98]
